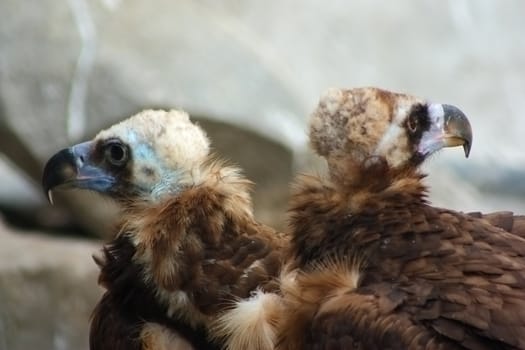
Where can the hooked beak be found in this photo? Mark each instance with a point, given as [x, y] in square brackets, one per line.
[457, 130]
[72, 168]
[450, 128]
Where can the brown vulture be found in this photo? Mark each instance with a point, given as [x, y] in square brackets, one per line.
[372, 264]
[187, 252]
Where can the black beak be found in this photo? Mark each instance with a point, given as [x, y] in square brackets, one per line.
[457, 129]
[60, 169]
[71, 167]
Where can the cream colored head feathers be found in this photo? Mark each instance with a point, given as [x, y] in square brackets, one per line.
[165, 148]
[358, 124]
[171, 134]
[355, 123]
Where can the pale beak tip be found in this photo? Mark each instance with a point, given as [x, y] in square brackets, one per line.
[50, 197]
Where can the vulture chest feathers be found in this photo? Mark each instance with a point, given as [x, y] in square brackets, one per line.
[203, 247]
[129, 306]
[183, 263]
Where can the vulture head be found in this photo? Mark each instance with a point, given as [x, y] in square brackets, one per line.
[365, 124]
[144, 157]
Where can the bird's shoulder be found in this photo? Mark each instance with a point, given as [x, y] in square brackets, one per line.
[438, 276]
[505, 220]
[433, 275]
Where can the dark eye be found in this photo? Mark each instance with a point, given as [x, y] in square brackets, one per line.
[116, 153]
[417, 121]
[413, 122]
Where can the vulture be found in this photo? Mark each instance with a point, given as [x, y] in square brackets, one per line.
[189, 267]
[371, 263]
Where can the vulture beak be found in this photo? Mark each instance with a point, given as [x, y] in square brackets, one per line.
[457, 130]
[73, 168]
[450, 128]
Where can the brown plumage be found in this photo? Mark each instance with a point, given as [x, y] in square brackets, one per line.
[188, 251]
[373, 265]
[505, 220]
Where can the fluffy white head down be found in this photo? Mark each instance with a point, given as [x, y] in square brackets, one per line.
[170, 134]
[165, 147]
[251, 323]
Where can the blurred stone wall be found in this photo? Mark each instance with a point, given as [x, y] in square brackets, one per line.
[251, 71]
[47, 291]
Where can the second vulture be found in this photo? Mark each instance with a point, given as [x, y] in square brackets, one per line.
[373, 265]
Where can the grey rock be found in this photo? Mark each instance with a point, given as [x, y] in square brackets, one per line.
[47, 291]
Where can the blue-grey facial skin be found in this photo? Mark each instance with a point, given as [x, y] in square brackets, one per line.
[146, 157]
[90, 176]
[84, 166]
[73, 167]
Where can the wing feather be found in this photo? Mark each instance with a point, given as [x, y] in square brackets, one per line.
[434, 279]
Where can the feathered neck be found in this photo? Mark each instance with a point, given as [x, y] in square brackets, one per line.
[213, 175]
[323, 207]
[371, 184]
[202, 247]
[177, 234]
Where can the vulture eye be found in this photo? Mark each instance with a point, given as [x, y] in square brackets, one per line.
[116, 153]
[417, 120]
[413, 122]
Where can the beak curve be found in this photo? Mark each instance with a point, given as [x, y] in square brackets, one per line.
[72, 167]
[449, 128]
[59, 170]
[456, 130]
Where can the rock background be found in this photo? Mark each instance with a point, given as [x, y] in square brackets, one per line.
[47, 291]
[250, 72]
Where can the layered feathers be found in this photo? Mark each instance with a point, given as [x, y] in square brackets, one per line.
[188, 250]
[199, 252]
[371, 264]
[417, 277]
